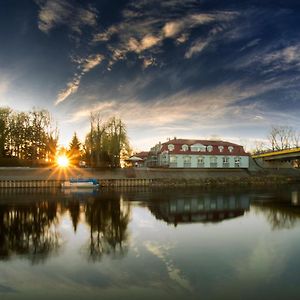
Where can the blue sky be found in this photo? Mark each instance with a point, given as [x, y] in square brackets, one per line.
[168, 68]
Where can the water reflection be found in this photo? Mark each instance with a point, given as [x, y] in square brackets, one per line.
[281, 209]
[29, 229]
[76, 230]
[202, 208]
[29, 223]
[108, 220]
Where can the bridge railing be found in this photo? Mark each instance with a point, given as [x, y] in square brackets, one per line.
[275, 152]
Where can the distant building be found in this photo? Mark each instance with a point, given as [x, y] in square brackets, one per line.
[138, 159]
[185, 153]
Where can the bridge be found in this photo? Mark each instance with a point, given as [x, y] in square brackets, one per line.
[282, 155]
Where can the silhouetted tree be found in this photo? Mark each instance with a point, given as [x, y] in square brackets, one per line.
[106, 143]
[74, 152]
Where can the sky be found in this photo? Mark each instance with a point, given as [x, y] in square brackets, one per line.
[185, 68]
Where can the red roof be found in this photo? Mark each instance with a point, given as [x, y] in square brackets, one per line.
[143, 154]
[237, 149]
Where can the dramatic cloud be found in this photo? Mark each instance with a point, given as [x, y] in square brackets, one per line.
[57, 12]
[172, 67]
[214, 103]
[85, 65]
[139, 32]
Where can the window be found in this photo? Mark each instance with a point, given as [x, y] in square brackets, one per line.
[198, 148]
[225, 162]
[185, 147]
[171, 147]
[173, 161]
[230, 149]
[213, 161]
[237, 162]
[200, 161]
[221, 148]
[187, 162]
[209, 148]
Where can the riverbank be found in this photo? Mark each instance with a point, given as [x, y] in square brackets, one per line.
[46, 177]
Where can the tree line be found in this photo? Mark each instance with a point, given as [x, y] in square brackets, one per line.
[27, 136]
[32, 138]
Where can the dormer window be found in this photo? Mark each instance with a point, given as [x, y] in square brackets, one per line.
[185, 147]
[209, 148]
[171, 147]
[221, 148]
[230, 149]
[198, 148]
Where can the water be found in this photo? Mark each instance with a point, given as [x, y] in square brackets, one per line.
[150, 244]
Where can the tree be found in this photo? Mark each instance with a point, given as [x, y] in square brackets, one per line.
[106, 142]
[283, 137]
[74, 152]
[28, 136]
[4, 129]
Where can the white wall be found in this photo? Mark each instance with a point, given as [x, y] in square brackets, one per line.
[244, 161]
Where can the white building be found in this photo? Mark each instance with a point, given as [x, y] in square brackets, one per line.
[184, 153]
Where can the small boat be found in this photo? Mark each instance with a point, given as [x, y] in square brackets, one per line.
[81, 183]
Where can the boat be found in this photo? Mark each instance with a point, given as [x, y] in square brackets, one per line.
[81, 183]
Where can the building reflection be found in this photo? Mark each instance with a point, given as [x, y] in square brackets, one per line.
[204, 208]
[30, 223]
[282, 210]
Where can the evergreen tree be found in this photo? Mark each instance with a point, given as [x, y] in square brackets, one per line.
[74, 152]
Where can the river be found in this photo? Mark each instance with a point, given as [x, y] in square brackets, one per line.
[150, 244]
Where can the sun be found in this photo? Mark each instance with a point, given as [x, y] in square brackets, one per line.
[62, 161]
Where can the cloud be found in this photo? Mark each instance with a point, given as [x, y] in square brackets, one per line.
[197, 47]
[52, 13]
[143, 30]
[72, 88]
[85, 65]
[286, 55]
[62, 12]
[173, 28]
[174, 273]
[216, 103]
[147, 42]
[269, 62]
[91, 62]
[219, 109]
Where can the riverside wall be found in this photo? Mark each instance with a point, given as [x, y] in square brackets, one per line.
[53, 177]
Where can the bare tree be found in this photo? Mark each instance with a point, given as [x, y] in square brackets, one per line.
[283, 137]
[260, 146]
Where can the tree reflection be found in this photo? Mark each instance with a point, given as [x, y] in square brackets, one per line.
[28, 230]
[279, 212]
[31, 228]
[108, 220]
[74, 209]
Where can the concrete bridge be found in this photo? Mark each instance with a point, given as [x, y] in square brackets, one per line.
[282, 155]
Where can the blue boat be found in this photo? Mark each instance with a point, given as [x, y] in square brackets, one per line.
[81, 183]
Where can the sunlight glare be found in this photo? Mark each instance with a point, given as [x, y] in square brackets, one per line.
[62, 161]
